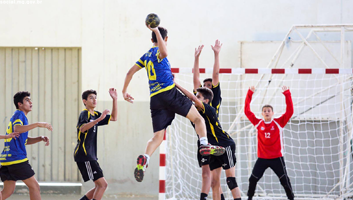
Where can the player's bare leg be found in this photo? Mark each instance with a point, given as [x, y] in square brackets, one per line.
[195, 117]
[142, 160]
[9, 188]
[154, 142]
[90, 193]
[100, 185]
[33, 187]
[206, 179]
[230, 174]
[216, 183]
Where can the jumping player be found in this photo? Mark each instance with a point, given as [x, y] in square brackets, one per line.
[269, 146]
[213, 84]
[86, 150]
[14, 161]
[216, 136]
[166, 100]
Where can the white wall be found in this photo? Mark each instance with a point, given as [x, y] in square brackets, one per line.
[113, 36]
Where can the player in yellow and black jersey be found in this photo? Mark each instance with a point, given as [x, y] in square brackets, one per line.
[216, 136]
[166, 100]
[214, 85]
[85, 153]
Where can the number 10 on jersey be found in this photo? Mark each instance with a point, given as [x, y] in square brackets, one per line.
[151, 72]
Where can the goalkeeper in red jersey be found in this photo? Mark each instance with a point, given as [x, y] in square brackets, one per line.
[270, 144]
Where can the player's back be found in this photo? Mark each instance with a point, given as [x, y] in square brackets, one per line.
[158, 71]
[215, 134]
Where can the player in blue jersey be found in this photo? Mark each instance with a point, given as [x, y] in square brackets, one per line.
[14, 162]
[166, 100]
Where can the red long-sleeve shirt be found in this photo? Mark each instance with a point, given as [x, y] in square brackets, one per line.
[269, 134]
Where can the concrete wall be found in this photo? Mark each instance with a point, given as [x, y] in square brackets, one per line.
[112, 36]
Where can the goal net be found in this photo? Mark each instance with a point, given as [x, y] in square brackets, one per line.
[317, 140]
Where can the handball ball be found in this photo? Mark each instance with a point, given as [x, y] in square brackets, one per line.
[152, 20]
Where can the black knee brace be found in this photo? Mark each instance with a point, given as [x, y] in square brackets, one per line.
[232, 183]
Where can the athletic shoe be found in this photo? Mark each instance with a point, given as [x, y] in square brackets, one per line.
[206, 150]
[140, 168]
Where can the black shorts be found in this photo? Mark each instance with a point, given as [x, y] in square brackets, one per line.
[226, 161]
[165, 105]
[20, 171]
[90, 170]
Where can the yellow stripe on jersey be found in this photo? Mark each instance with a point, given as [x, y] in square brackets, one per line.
[142, 64]
[109, 119]
[16, 121]
[13, 162]
[163, 90]
[157, 54]
[83, 145]
[212, 129]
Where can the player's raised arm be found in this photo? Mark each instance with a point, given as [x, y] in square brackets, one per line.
[128, 78]
[160, 43]
[216, 49]
[250, 115]
[196, 76]
[198, 103]
[89, 125]
[114, 95]
[283, 120]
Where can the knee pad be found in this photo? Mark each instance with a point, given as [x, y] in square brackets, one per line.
[232, 183]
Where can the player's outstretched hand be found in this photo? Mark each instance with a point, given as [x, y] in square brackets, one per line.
[285, 88]
[198, 51]
[104, 114]
[13, 135]
[217, 47]
[152, 29]
[252, 88]
[46, 140]
[128, 97]
[45, 125]
[113, 93]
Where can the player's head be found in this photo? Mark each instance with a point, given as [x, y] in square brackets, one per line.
[164, 34]
[267, 112]
[22, 101]
[204, 94]
[207, 83]
[89, 98]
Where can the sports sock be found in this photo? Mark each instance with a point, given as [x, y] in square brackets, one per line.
[203, 141]
[237, 199]
[203, 196]
[84, 198]
[148, 159]
[222, 197]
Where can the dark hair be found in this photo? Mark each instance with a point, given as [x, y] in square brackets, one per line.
[207, 79]
[206, 93]
[86, 93]
[267, 106]
[19, 96]
[163, 31]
